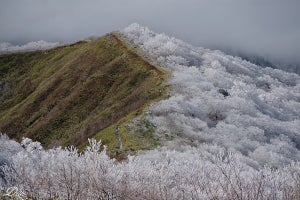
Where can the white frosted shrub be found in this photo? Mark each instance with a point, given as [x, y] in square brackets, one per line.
[260, 118]
[187, 173]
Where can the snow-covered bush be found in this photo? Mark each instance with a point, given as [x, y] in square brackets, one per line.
[259, 117]
[188, 173]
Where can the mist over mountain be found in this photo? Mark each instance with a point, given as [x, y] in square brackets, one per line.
[31, 46]
[265, 62]
[269, 29]
[203, 103]
[194, 99]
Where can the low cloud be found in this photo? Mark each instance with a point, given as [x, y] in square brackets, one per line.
[30, 46]
[268, 28]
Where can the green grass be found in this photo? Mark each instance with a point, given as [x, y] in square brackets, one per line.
[71, 93]
[136, 134]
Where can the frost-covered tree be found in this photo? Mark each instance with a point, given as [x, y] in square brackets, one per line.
[259, 117]
[189, 173]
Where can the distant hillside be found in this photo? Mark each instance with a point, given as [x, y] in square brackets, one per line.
[65, 95]
[263, 62]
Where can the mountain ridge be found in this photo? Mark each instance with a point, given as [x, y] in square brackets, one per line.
[92, 83]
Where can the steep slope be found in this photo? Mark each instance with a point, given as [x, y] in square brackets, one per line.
[223, 102]
[65, 95]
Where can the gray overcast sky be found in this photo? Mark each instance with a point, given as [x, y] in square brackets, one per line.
[270, 28]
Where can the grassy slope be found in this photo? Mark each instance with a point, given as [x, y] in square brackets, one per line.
[68, 94]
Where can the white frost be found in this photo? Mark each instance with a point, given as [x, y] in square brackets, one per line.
[260, 118]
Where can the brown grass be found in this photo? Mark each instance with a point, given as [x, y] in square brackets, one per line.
[71, 93]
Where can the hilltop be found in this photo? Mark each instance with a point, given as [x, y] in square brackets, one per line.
[64, 95]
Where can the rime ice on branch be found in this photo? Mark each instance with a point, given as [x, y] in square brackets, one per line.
[259, 119]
